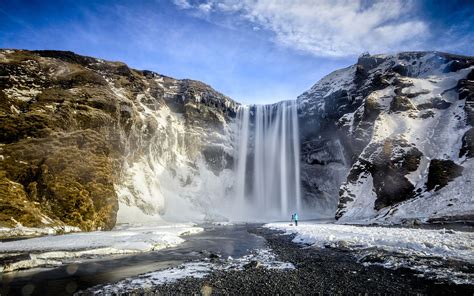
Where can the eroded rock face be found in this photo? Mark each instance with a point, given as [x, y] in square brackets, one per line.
[72, 127]
[441, 172]
[392, 114]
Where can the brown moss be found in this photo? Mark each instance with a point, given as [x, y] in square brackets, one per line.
[14, 127]
[80, 78]
[70, 174]
[15, 206]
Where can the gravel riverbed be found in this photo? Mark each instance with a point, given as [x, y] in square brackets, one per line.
[318, 271]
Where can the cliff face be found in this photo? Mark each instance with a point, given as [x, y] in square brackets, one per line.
[396, 132]
[80, 135]
[86, 142]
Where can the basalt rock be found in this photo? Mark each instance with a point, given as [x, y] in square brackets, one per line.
[441, 172]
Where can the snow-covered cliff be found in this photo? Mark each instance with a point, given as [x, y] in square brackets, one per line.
[397, 132]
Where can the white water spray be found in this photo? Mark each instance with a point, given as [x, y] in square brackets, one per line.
[268, 161]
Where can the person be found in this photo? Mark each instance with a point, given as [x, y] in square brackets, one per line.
[295, 217]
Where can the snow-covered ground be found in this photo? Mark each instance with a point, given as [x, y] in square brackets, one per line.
[409, 244]
[21, 231]
[198, 269]
[52, 250]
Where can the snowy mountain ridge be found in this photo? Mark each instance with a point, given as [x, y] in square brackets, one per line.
[405, 133]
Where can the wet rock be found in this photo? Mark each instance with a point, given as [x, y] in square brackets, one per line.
[441, 172]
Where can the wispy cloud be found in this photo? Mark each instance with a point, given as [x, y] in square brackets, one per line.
[326, 27]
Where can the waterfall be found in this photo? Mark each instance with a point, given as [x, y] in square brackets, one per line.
[268, 161]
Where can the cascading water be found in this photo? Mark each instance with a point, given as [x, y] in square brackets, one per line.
[268, 160]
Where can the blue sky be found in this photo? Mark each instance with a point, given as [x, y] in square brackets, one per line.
[255, 51]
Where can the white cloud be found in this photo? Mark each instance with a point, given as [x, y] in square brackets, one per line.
[205, 7]
[329, 27]
[183, 4]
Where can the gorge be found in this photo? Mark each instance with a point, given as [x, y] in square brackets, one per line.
[89, 143]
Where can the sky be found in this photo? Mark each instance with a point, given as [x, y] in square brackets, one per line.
[255, 51]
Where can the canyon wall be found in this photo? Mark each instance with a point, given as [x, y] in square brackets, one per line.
[86, 142]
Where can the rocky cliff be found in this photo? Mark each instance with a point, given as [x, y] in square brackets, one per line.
[80, 135]
[392, 138]
[86, 142]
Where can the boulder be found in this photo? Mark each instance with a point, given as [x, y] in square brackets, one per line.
[441, 172]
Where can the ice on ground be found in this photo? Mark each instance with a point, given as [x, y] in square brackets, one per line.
[122, 240]
[265, 257]
[22, 231]
[440, 245]
[146, 282]
[152, 279]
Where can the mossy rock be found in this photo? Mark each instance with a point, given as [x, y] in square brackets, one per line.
[80, 78]
[16, 207]
[71, 175]
[65, 144]
[14, 127]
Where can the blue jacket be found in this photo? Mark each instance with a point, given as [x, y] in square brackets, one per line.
[295, 216]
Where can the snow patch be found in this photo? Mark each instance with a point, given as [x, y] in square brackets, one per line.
[123, 239]
[419, 243]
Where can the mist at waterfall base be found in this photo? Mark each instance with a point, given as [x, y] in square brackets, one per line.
[267, 162]
[164, 182]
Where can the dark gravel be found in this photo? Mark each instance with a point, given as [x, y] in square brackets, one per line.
[318, 271]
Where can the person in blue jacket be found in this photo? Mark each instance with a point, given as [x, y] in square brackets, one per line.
[295, 218]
